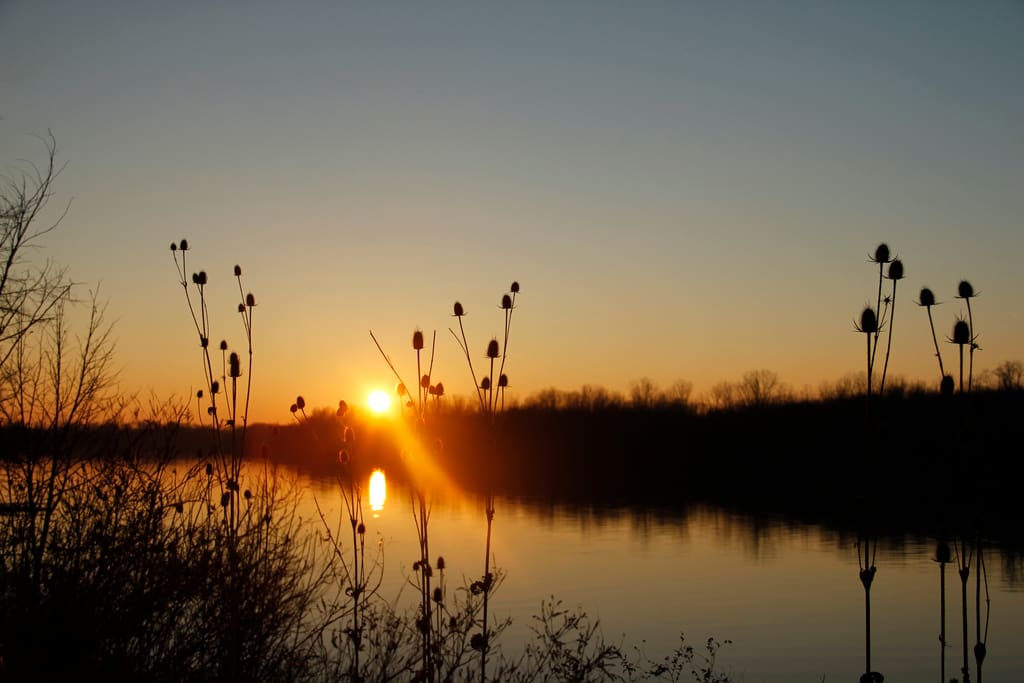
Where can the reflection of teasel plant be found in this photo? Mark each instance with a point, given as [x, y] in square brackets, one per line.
[490, 390]
[867, 548]
[421, 507]
[981, 576]
[942, 557]
[964, 555]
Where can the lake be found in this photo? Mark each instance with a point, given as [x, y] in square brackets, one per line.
[787, 594]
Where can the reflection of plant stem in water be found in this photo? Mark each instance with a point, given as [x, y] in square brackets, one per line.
[866, 561]
[942, 556]
[964, 563]
[979, 647]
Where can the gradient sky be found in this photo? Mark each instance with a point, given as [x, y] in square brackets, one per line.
[684, 190]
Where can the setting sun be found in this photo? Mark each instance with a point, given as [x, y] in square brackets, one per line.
[378, 401]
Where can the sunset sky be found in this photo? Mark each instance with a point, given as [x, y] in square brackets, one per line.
[684, 190]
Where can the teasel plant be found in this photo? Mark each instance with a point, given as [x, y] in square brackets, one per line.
[966, 292]
[229, 416]
[868, 326]
[894, 275]
[421, 506]
[926, 299]
[359, 581]
[961, 337]
[490, 390]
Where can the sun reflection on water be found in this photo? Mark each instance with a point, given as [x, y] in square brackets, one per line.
[378, 491]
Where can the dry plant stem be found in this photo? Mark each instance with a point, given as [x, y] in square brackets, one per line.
[935, 340]
[464, 345]
[970, 360]
[888, 343]
[942, 617]
[873, 349]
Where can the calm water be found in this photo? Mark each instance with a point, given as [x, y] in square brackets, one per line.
[787, 595]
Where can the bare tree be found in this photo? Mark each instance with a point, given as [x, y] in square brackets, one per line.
[29, 291]
[1010, 375]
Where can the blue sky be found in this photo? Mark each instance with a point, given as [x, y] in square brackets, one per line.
[685, 190]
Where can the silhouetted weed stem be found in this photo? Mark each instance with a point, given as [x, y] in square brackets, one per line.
[881, 257]
[895, 274]
[927, 299]
[491, 394]
[421, 507]
[868, 326]
[961, 337]
[228, 460]
[966, 292]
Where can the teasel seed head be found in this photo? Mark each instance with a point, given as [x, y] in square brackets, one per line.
[214, 387]
[926, 298]
[492, 349]
[238, 270]
[506, 302]
[881, 253]
[868, 321]
[174, 247]
[438, 595]
[503, 381]
[439, 389]
[223, 345]
[417, 340]
[248, 494]
[424, 381]
[235, 365]
[401, 390]
[250, 300]
[184, 245]
[342, 408]
[459, 312]
[300, 402]
[485, 383]
[361, 529]
[241, 308]
[293, 408]
[202, 277]
[961, 333]
[209, 470]
[942, 554]
[440, 563]
[199, 394]
[964, 290]
[895, 270]
[225, 498]
[514, 287]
